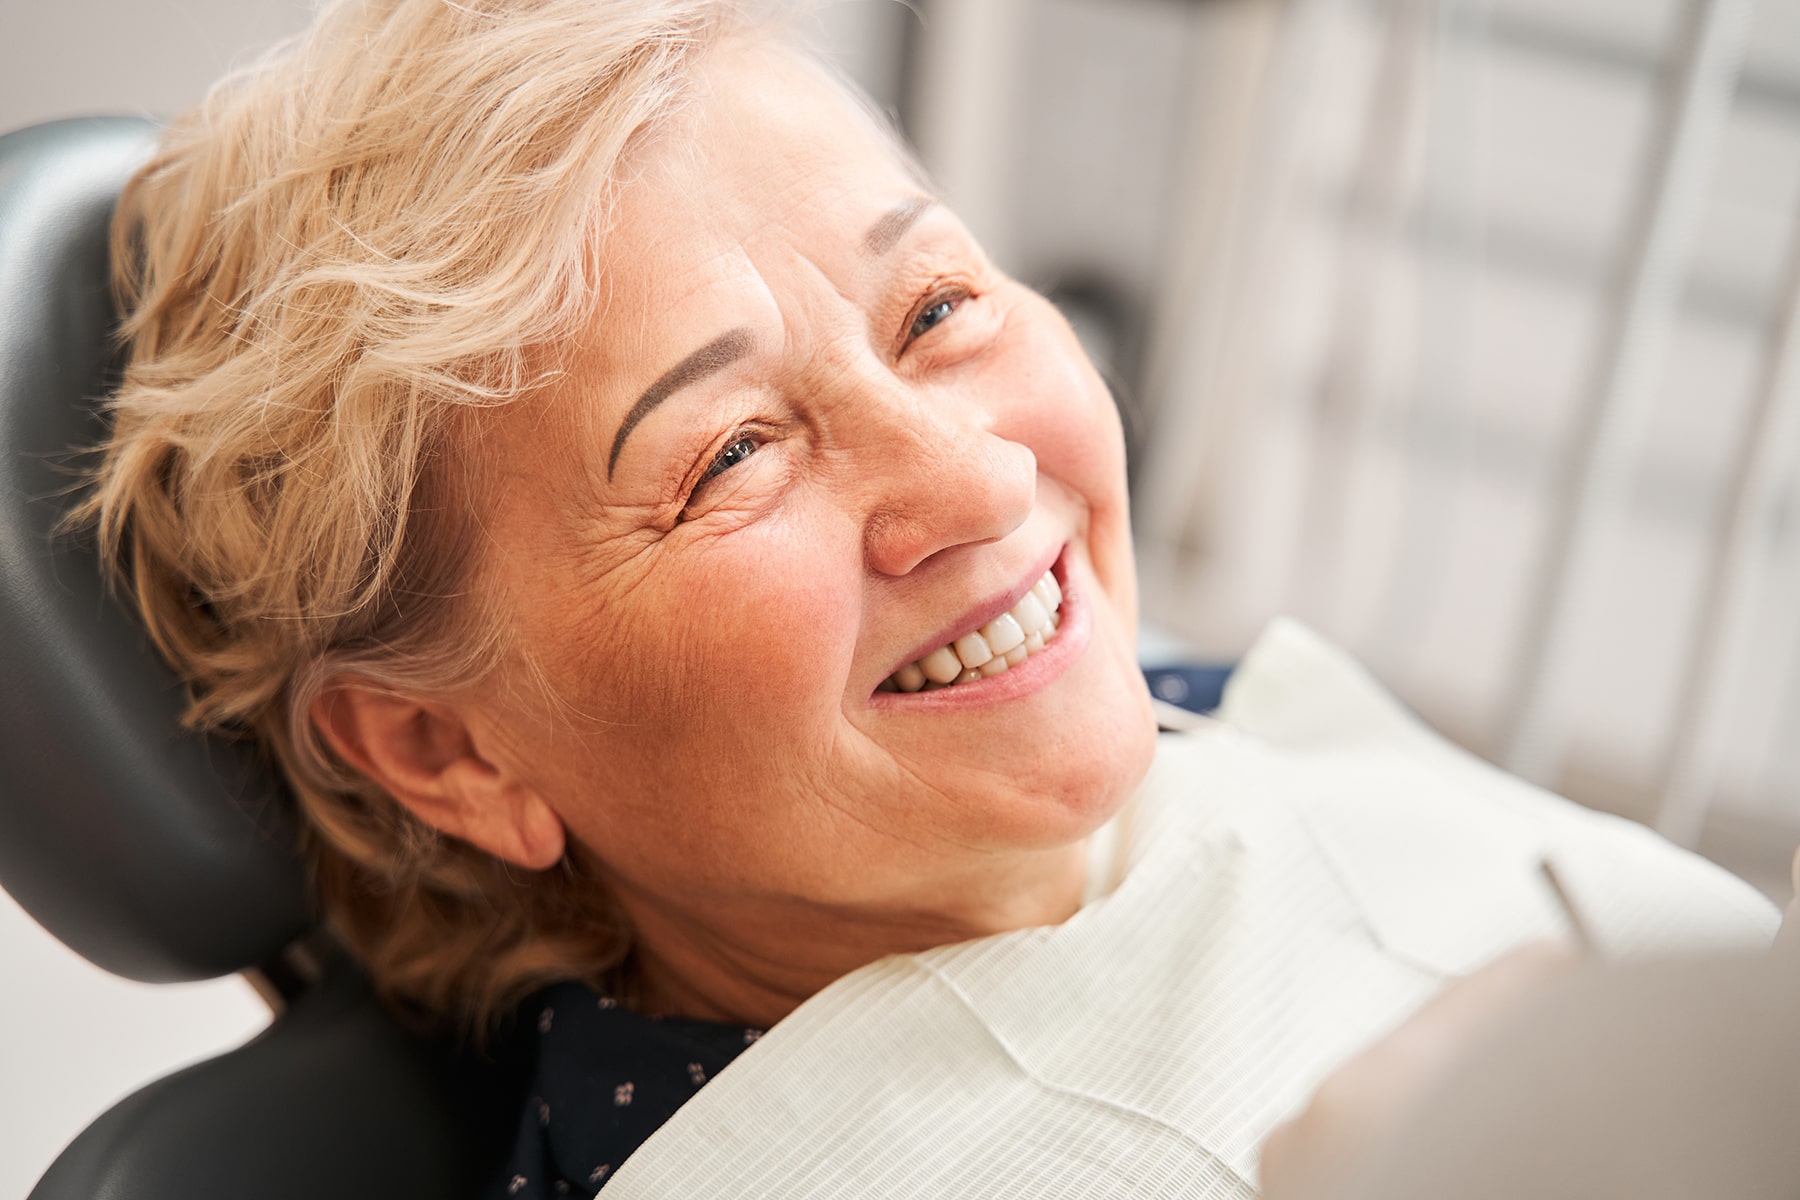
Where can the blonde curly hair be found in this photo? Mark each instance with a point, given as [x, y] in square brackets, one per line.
[347, 250]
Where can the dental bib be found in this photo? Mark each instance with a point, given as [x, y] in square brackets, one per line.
[1290, 883]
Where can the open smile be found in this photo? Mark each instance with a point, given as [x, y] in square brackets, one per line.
[1008, 652]
[999, 645]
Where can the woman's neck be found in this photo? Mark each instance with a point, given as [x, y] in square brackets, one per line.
[755, 961]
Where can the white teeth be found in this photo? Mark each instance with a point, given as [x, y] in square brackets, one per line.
[1031, 614]
[941, 665]
[1001, 644]
[972, 648]
[1003, 634]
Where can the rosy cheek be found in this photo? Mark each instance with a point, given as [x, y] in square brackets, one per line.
[1063, 412]
[1069, 420]
[773, 615]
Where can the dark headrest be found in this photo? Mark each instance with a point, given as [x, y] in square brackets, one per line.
[155, 853]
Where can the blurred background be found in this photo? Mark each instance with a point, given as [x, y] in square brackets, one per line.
[1466, 330]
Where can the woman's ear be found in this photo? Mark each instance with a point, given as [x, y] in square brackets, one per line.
[427, 757]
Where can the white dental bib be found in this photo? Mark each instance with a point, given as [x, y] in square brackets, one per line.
[1291, 883]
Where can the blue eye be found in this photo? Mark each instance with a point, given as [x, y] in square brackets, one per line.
[931, 316]
[731, 456]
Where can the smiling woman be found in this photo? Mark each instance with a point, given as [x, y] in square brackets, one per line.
[709, 578]
[683, 578]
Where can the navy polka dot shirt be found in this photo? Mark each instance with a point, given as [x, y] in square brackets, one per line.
[606, 1079]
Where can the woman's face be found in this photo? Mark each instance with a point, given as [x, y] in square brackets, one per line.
[812, 436]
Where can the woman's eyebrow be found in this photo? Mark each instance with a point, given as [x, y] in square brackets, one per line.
[709, 359]
[886, 233]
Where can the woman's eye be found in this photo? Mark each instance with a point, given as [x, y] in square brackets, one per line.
[730, 457]
[935, 313]
[703, 496]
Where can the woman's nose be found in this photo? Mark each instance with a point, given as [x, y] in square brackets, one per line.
[940, 478]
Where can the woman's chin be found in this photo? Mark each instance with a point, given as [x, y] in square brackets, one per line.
[1083, 751]
[1093, 772]
[1065, 738]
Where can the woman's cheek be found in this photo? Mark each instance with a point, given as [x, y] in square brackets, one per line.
[782, 609]
[1073, 425]
[1066, 416]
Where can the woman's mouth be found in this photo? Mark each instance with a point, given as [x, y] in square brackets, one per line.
[993, 649]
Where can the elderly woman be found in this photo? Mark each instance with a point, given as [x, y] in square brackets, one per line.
[683, 579]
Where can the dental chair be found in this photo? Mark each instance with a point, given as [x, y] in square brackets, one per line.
[163, 856]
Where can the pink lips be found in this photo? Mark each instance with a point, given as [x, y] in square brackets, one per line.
[1071, 640]
[975, 618]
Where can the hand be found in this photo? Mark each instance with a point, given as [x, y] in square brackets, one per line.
[1312, 1156]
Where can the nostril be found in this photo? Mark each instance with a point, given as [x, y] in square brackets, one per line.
[898, 545]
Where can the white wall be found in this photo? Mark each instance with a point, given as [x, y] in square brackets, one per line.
[73, 1040]
[76, 57]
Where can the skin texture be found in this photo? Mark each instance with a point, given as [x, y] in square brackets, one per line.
[692, 702]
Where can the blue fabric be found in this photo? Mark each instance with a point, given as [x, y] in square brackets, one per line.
[1198, 689]
[606, 1079]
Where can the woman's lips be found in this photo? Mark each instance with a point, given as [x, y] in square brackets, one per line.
[983, 614]
[1068, 638]
[993, 649]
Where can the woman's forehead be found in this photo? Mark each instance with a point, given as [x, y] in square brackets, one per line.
[769, 138]
[771, 179]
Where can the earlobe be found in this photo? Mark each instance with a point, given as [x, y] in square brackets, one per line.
[428, 759]
[539, 834]
[502, 815]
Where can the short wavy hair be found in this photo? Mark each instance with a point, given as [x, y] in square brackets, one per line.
[347, 250]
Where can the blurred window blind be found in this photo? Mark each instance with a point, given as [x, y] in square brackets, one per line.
[1464, 329]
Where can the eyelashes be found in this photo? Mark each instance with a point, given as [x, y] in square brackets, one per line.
[743, 443]
[937, 307]
[741, 447]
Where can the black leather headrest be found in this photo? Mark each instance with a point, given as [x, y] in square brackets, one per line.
[156, 854]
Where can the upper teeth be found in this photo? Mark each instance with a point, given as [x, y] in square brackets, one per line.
[1006, 641]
